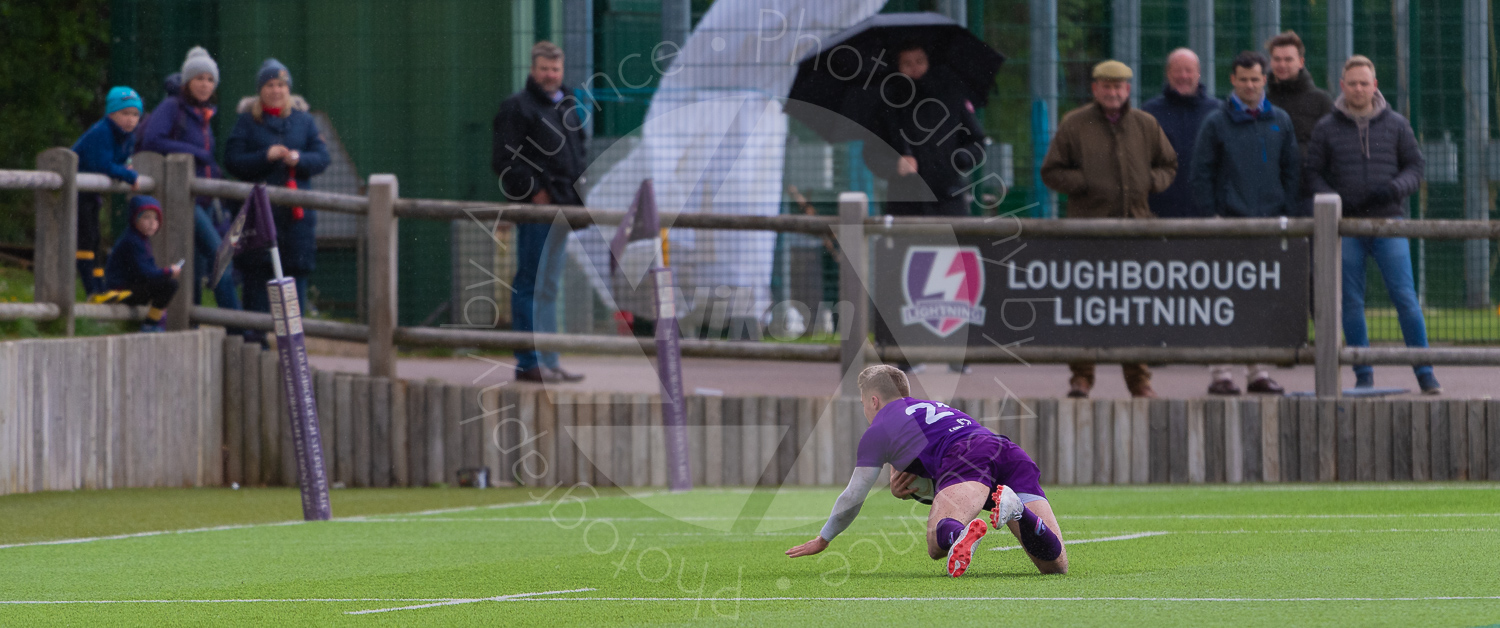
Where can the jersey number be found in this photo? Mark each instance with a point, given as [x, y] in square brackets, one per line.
[932, 414]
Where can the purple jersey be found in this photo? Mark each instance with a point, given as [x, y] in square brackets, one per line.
[910, 429]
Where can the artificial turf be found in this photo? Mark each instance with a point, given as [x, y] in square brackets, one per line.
[1247, 555]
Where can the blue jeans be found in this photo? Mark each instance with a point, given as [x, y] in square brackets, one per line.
[541, 253]
[1393, 256]
[205, 247]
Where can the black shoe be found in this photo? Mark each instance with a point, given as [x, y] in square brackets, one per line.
[537, 375]
[565, 376]
[1224, 387]
[1265, 386]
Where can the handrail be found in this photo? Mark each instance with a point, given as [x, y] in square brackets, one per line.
[29, 180]
[852, 228]
[995, 226]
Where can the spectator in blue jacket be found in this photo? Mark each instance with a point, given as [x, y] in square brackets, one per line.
[105, 149]
[1246, 165]
[181, 124]
[132, 266]
[276, 142]
[1368, 155]
[1180, 109]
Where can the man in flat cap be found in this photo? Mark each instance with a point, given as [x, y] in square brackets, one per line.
[1108, 158]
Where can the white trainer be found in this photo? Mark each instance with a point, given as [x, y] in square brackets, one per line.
[1008, 507]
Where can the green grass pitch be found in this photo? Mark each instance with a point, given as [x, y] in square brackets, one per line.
[1244, 555]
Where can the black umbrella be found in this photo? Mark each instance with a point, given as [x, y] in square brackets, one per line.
[843, 71]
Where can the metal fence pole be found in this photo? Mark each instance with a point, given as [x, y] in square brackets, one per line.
[676, 22]
[853, 271]
[1043, 79]
[1201, 40]
[956, 9]
[57, 234]
[1476, 146]
[381, 264]
[1328, 272]
[1127, 42]
[578, 45]
[1266, 15]
[1340, 41]
[175, 239]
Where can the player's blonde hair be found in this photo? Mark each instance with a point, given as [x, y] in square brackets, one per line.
[884, 380]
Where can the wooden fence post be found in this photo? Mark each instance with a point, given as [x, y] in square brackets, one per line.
[853, 208]
[175, 239]
[381, 227]
[57, 234]
[1328, 290]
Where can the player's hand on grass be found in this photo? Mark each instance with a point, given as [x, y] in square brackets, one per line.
[809, 548]
[901, 484]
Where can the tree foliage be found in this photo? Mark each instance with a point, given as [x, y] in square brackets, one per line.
[54, 59]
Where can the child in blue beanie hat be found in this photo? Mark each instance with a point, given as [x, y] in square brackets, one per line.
[132, 266]
[104, 149]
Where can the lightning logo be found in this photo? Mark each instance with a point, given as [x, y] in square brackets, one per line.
[943, 286]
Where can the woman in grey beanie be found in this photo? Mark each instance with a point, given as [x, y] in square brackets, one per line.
[182, 124]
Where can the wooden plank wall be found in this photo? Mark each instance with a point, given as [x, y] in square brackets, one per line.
[198, 408]
[412, 433]
[139, 410]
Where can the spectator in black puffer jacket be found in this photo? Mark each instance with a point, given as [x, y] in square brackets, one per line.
[1368, 155]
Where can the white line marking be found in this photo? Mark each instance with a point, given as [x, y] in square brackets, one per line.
[498, 598]
[518, 598]
[817, 518]
[1012, 599]
[1122, 537]
[135, 535]
[354, 519]
[240, 601]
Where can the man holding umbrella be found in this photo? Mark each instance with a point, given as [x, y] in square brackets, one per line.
[929, 121]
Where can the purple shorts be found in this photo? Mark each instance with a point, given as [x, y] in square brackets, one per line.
[991, 460]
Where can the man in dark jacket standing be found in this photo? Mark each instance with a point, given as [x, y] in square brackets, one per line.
[1246, 165]
[1291, 88]
[936, 135]
[1180, 110]
[539, 153]
[1368, 155]
[1107, 157]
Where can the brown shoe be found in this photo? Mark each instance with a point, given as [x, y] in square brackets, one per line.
[565, 376]
[1224, 387]
[537, 375]
[1266, 386]
[1078, 388]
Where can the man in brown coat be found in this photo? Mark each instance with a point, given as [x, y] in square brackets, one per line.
[1107, 158]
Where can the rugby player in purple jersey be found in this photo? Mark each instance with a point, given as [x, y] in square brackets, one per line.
[971, 468]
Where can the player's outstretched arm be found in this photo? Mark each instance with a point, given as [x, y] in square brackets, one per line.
[844, 511]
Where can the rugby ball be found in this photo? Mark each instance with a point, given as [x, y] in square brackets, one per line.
[925, 491]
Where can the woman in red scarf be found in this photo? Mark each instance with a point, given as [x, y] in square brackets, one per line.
[276, 142]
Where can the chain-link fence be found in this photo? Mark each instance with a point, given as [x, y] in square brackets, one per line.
[412, 88]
